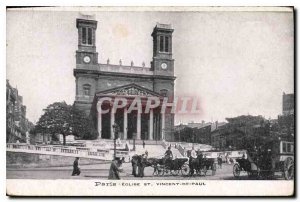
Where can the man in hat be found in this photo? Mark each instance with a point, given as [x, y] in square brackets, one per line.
[134, 163]
[115, 169]
[141, 165]
[168, 156]
[76, 169]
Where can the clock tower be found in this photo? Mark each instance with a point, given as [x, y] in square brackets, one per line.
[162, 63]
[162, 66]
[86, 54]
[86, 63]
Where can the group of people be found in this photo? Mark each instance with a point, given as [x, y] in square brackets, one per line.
[114, 170]
[138, 164]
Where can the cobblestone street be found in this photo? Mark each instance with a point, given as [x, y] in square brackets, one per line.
[100, 171]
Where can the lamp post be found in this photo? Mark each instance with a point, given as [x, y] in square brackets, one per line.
[116, 132]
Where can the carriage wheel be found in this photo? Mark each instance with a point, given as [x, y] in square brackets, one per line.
[174, 172]
[236, 170]
[185, 170]
[158, 171]
[167, 170]
[289, 169]
[162, 171]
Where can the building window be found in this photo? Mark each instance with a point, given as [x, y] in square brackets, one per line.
[84, 35]
[161, 43]
[90, 36]
[87, 89]
[166, 44]
[87, 36]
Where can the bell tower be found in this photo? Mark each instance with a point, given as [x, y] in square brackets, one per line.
[86, 60]
[162, 63]
[86, 54]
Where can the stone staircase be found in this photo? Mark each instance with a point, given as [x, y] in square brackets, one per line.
[156, 150]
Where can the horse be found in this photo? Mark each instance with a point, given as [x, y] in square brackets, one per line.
[200, 164]
[145, 162]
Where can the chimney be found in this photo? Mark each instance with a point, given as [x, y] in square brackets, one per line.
[216, 124]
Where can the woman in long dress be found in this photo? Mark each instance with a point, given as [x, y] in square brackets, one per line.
[114, 171]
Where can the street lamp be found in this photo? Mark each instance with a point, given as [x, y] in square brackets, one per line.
[116, 133]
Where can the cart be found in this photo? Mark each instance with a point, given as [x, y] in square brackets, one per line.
[263, 163]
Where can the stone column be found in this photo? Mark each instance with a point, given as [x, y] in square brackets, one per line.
[151, 125]
[162, 126]
[125, 124]
[99, 121]
[112, 121]
[138, 125]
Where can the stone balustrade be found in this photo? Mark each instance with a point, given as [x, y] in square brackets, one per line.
[81, 152]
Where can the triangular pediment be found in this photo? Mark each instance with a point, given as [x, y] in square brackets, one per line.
[129, 90]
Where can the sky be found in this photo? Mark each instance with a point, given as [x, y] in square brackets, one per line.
[235, 63]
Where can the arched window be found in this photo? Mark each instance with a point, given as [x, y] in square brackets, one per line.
[87, 89]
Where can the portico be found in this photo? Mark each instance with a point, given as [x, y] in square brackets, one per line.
[134, 122]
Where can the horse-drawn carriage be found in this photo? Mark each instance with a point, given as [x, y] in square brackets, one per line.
[202, 165]
[182, 165]
[274, 156]
[171, 166]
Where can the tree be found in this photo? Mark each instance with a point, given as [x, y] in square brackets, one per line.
[61, 118]
[83, 126]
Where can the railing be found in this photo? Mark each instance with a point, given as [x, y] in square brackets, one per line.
[125, 69]
[107, 144]
[147, 142]
[63, 151]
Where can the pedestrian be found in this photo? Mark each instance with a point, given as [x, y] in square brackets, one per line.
[168, 156]
[144, 144]
[141, 165]
[134, 162]
[220, 161]
[76, 169]
[115, 169]
[193, 153]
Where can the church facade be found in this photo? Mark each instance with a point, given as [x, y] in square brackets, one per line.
[95, 81]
